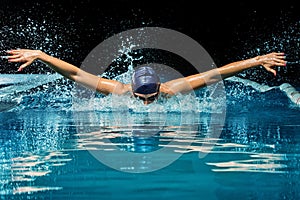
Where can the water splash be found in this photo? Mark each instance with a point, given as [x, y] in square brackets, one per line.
[286, 39]
[291, 93]
[33, 34]
[53, 39]
[55, 94]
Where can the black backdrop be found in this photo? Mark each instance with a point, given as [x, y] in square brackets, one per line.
[228, 31]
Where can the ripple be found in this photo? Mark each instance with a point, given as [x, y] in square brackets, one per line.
[31, 189]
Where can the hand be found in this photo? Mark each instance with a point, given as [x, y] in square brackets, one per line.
[23, 55]
[271, 60]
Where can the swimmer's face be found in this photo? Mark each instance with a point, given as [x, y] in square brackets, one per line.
[146, 98]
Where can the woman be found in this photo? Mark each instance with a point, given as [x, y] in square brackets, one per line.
[145, 84]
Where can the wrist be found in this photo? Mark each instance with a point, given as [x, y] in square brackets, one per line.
[41, 55]
[258, 60]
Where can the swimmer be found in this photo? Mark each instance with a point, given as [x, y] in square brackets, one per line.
[145, 84]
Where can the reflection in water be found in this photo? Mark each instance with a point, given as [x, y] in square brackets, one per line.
[34, 146]
[19, 173]
[248, 149]
[28, 168]
[261, 163]
[257, 143]
[139, 142]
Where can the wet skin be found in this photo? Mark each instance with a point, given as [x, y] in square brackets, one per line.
[146, 98]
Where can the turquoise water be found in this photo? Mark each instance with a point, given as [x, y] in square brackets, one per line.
[51, 151]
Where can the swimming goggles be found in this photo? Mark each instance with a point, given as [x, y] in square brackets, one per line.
[150, 98]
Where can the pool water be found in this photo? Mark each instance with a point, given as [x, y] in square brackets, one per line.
[50, 151]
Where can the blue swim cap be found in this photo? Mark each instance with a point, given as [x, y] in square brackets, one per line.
[145, 80]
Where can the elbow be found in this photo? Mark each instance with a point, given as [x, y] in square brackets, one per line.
[213, 78]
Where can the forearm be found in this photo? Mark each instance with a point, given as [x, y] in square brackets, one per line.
[215, 75]
[237, 67]
[72, 72]
[66, 69]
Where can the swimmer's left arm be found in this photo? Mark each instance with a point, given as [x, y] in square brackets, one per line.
[268, 61]
[196, 81]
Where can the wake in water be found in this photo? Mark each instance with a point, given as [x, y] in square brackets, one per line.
[292, 94]
[54, 92]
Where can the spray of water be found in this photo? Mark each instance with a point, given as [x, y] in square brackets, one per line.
[286, 39]
[43, 35]
[52, 38]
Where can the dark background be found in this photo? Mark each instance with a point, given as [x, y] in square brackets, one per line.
[229, 31]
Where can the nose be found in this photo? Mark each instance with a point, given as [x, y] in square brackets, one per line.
[147, 102]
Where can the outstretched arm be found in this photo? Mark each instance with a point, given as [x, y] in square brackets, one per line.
[68, 70]
[196, 81]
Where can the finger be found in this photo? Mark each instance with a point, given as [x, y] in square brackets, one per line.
[16, 60]
[280, 62]
[14, 56]
[279, 53]
[271, 70]
[24, 65]
[281, 57]
[14, 51]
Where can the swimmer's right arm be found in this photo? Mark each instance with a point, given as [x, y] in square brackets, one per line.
[105, 86]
